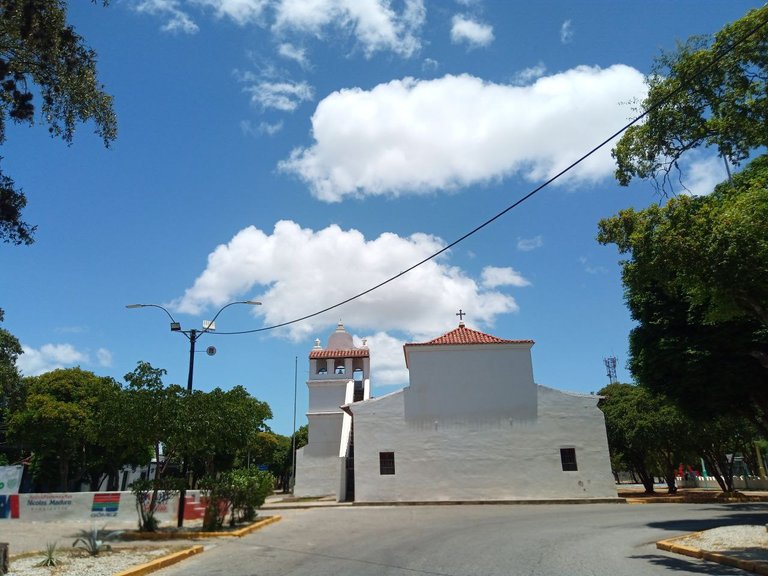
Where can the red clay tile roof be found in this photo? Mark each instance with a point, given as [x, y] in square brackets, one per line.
[353, 353]
[464, 335]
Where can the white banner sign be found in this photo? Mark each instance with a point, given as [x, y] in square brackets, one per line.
[10, 479]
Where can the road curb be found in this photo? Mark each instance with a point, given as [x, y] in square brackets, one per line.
[497, 502]
[671, 545]
[162, 562]
[698, 498]
[201, 535]
[308, 505]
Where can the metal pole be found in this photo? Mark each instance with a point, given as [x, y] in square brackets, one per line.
[293, 442]
[192, 340]
[185, 464]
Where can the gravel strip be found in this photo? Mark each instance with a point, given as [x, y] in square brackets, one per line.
[76, 564]
[729, 538]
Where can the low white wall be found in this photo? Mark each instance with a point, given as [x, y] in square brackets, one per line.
[710, 483]
[97, 506]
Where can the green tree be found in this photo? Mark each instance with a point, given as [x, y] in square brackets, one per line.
[10, 387]
[43, 57]
[646, 432]
[58, 418]
[302, 436]
[155, 417]
[695, 283]
[220, 427]
[116, 444]
[719, 440]
[710, 92]
[153, 412]
[695, 277]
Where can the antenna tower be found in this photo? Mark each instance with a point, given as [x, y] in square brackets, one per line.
[610, 366]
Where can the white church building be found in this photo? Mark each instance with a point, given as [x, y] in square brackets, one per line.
[471, 426]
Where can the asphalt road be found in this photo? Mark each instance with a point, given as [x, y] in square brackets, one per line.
[504, 540]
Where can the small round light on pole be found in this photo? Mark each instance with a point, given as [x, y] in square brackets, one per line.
[211, 350]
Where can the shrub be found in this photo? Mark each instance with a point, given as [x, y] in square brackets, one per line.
[150, 494]
[237, 492]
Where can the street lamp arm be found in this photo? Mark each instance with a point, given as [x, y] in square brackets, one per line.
[152, 306]
[175, 326]
[252, 302]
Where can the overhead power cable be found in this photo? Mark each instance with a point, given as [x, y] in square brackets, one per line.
[517, 203]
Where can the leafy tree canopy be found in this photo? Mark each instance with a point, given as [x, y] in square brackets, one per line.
[10, 385]
[695, 283]
[219, 426]
[646, 432]
[59, 417]
[711, 250]
[10, 350]
[709, 92]
[41, 56]
[153, 411]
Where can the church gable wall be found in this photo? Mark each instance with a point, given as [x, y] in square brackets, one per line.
[474, 381]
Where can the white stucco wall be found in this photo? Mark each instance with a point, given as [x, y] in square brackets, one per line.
[328, 395]
[318, 475]
[496, 458]
[470, 380]
[318, 465]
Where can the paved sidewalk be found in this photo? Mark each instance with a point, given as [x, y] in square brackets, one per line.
[281, 501]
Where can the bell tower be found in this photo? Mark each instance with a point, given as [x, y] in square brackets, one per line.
[339, 374]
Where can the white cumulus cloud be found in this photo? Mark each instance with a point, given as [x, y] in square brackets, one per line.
[49, 357]
[566, 32]
[375, 24]
[291, 52]
[702, 173]
[104, 357]
[176, 18]
[295, 271]
[416, 136]
[474, 33]
[528, 244]
[387, 359]
[240, 11]
[493, 277]
[528, 75]
[285, 96]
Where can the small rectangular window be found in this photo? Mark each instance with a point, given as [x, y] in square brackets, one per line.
[568, 458]
[386, 463]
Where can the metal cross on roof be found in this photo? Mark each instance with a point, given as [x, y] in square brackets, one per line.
[461, 315]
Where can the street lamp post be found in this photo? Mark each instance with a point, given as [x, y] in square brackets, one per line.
[192, 335]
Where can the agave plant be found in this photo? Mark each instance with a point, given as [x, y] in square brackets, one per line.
[94, 540]
[50, 555]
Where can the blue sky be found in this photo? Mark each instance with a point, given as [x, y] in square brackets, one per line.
[299, 152]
